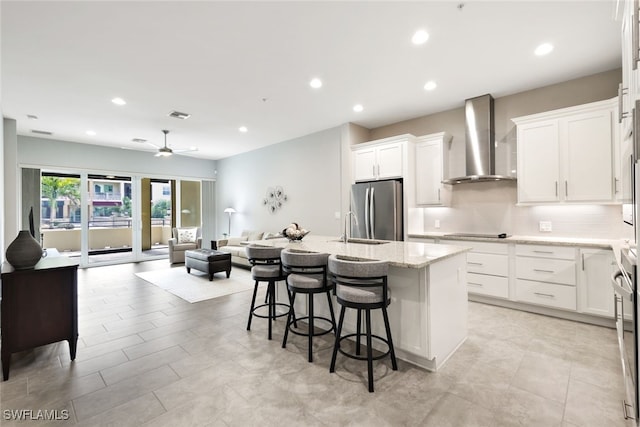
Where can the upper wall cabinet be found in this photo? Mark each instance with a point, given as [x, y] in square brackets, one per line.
[431, 167]
[629, 89]
[567, 155]
[382, 159]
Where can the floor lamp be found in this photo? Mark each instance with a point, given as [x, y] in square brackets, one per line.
[230, 211]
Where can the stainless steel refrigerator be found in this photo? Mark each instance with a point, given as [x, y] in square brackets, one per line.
[377, 207]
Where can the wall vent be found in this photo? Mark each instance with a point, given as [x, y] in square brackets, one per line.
[41, 132]
[179, 115]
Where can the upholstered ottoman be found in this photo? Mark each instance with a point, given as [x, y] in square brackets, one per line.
[208, 261]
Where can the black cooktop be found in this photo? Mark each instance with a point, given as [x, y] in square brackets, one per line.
[491, 236]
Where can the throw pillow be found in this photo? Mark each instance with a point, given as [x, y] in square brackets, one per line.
[255, 236]
[187, 235]
[235, 241]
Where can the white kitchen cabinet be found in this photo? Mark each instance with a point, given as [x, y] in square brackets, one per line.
[629, 90]
[628, 93]
[487, 267]
[546, 275]
[596, 293]
[431, 164]
[538, 161]
[567, 155]
[382, 159]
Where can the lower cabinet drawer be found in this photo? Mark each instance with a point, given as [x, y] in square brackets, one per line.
[495, 265]
[549, 294]
[546, 270]
[483, 284]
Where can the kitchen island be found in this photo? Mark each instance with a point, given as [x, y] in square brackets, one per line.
[428, 287]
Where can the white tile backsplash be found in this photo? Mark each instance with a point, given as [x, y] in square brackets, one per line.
[490, 207]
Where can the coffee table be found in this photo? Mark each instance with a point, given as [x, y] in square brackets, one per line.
[208, 261]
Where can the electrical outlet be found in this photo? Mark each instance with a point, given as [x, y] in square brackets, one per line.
[336, 215]
[545, 226]
[437, 224]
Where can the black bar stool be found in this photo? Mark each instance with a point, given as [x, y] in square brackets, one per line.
[307, 274]
[266, 267]
[361, 285]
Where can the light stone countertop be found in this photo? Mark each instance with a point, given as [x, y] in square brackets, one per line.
[398, 254]
[552, 241]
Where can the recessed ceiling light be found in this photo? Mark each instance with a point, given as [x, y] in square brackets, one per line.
[420, 37]
[358, 108]
[430, 85]
[243, 129]
[118, 101]
[544, 49]
[91, 133]
[139, 140]
[315, 83]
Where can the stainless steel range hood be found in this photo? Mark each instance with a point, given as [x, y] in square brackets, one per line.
[480, 143]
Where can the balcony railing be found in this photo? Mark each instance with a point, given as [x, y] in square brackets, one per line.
[107, 222]
[106, 196]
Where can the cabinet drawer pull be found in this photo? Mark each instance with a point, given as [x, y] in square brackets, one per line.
[475, 284]
[540, 294]
[543, 252]
[543, 271]
[474, 263]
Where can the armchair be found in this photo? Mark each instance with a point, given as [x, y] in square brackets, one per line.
[183, 239]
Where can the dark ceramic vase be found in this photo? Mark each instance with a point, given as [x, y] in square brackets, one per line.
[24, 252]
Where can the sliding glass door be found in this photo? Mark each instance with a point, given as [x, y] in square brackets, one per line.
[107, 219]
[110, 225]
[60, 212]
[157, 198]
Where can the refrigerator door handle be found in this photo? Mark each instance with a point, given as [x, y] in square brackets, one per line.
[372, 212]
[366, 212]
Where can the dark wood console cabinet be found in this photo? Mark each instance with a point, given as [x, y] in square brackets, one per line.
[39, 306]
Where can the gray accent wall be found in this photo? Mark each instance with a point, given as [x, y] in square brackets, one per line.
[582, 90]
[307, 168]
[11, 212]
[492, 207]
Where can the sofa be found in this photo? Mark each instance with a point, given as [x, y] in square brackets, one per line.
[236, 246]
[183, 239]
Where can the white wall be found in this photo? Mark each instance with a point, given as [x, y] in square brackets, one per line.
[53, 153]
[308, 169]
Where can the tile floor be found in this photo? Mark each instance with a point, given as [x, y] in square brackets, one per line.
[146, 357]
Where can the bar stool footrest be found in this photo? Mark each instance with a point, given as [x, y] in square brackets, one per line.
[306, 334]
[364, 357]
[266, 316]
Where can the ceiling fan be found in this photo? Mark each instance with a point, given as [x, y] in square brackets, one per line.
[165, 151]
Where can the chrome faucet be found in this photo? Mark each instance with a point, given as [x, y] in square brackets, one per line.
[345, 235]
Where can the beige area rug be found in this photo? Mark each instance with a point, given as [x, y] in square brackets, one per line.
[196, 286]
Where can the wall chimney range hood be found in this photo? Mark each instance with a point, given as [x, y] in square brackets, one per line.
[480, 143]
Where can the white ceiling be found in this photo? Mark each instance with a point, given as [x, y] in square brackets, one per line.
[232, 64]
